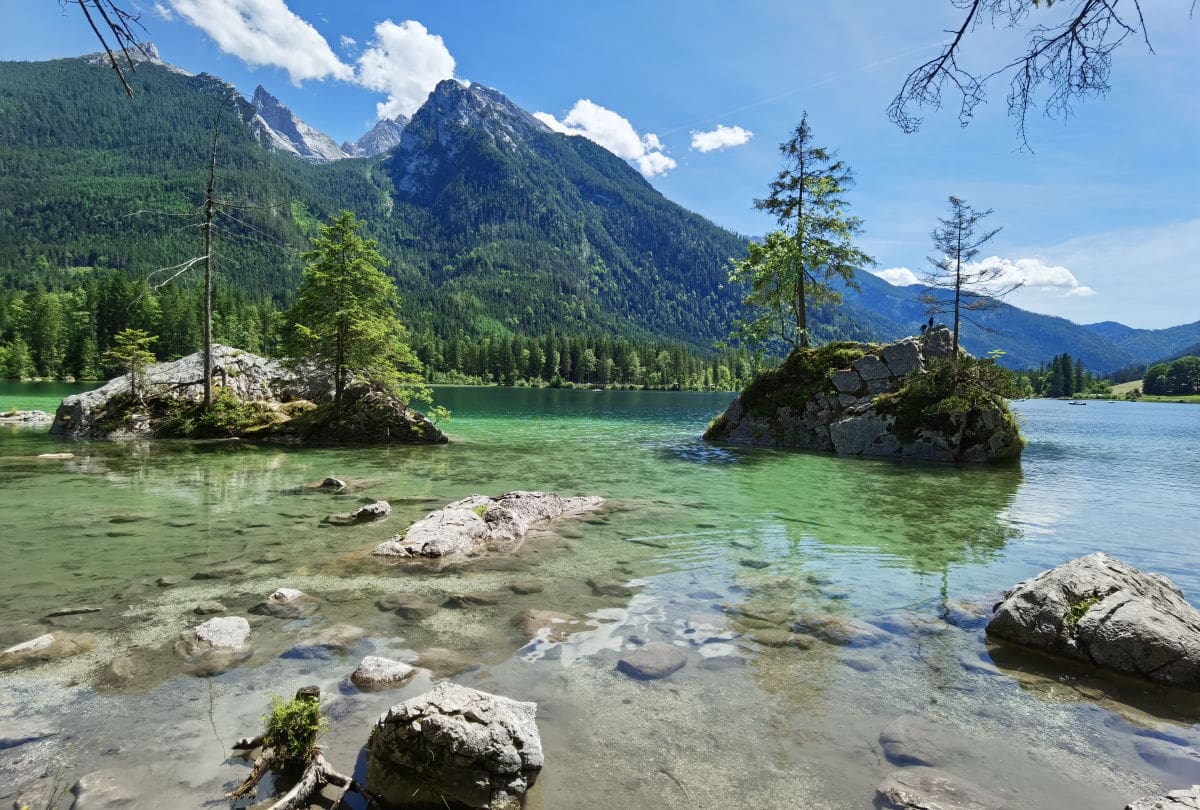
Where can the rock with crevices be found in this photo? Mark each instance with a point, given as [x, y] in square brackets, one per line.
[478, 523]
[1185, 799]
[1101, 611]
[458, 745]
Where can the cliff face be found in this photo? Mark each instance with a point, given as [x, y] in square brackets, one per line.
[863, 400]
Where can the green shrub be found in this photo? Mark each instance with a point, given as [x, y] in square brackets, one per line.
[945, 391]
[1079, 608]
[803, 374]
[292, 727]
[228, 417]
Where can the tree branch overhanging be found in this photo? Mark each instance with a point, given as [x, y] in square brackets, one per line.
[117, 32]
[1064, 62]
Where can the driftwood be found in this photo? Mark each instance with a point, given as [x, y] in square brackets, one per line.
[317, 774]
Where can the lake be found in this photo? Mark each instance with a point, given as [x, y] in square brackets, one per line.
[722, 548]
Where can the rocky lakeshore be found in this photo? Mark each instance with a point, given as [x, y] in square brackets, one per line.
[861, 400]
[256, 398]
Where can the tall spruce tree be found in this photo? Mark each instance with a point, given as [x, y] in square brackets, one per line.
[794, 269]
[345, 315]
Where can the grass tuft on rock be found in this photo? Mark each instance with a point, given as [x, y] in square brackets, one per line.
[803, 374]
[292, 729]
[1078, 609]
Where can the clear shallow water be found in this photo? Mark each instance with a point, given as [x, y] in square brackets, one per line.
[743, 724]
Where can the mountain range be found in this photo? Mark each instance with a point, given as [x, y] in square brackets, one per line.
[497, 225]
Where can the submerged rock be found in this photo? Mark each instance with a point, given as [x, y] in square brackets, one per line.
[1101, 611]
[337, 639]
[363, 514]
[550, 625]
[216, 644]
[840, 631]
[912, 740]
[376, 672]
[407, 606]
[479, 523]
[922, 788]
[652, 661]
[831, 399]
[470, 747]
[444, 661]
[46, 647]
[286, 603]
[1185, 799]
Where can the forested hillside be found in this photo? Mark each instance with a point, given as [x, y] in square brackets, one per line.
[505, 238]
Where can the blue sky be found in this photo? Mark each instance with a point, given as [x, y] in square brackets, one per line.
[1102, 218]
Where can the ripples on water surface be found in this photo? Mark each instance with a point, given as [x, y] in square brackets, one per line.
[725, 548]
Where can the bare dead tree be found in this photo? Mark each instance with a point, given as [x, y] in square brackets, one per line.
[117, 29]
[1064, 62]
[957, 284]
[209, 208]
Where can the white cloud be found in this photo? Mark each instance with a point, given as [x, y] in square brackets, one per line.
[163, 12]
[898, 276]
[722, 137]
[346, 42]
[614, 133]
[265, 32]
[1035, 273]
[406, 62]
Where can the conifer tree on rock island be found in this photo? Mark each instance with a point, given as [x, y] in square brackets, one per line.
[345, 315]
[959, 285]
[130, 354]
[795, 267]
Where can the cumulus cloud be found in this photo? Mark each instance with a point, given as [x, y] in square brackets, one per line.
[1031, 274]
[898, 276]
[1035, 273]
[405, 61]
[722, 137]
[163, 12]
[614, 133]
[265, 32]
[347, 42]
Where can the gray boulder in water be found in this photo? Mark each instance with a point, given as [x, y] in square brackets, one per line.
[479, 523]
[1186, 799]
[1101, 611]
[455, 745]
[922, 788]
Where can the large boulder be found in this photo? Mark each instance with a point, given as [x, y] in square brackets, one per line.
[1101, 611]
[1186, 799]
[479, 523]
[291, 403]
[842, 398]
[454, 745]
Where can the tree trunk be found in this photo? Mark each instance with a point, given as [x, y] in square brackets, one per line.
[339, 369]
[957, 292]
[209, 203]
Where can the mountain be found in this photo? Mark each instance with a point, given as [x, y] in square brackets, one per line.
[277, 126]
[496, 226]
[1028, 339]
[1149, 345]
[381, 138]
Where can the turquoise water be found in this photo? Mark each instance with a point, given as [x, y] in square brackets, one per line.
[724, 544]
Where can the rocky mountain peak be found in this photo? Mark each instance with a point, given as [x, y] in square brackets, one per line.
[383, 137]
[275, 125]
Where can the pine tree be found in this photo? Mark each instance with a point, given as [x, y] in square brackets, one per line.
[795, 268]
[958, 285]
[344, 317]
[130, 354]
